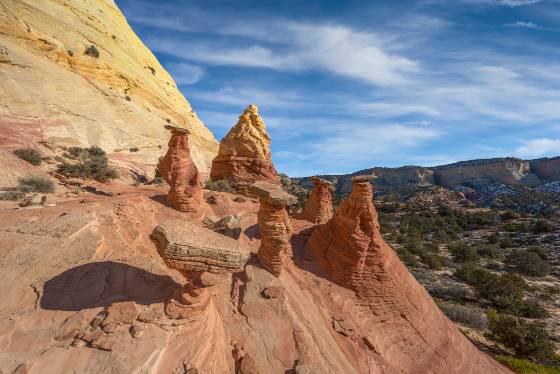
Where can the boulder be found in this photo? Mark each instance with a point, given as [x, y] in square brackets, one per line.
[319, 207]
[181, 174]
[274, 225]
[230, 226]
[244, 154]
[193, 249]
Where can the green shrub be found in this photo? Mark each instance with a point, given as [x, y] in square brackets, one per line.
[408, 258]
[158, 179]
[35, 183]
[488, 251]
[505, 243]
[463, 253]
[134, 149]
[92, 51]
[529, 262]
[504, 291]
[492, 239]
[467, 315]
[523, 366]
[11, 195]
[526, 339]
[506, 216]
[30, 155]
[542, 226]
[221, 185]
[433, 261]
[92, 164]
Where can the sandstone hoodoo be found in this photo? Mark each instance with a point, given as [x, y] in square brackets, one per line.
[193, 250]
[181, 174]
[244, 154]
[274, 225]
[319, 207]
[404, 321]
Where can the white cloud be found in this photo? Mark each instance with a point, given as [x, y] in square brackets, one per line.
[539, 147]
[335, 49]
[243, 96]
[184, 73]
[521, 24]
[361, 142]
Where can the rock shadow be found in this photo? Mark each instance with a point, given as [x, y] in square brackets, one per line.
[304, 259]
[252, 232]
[99, 284]
[162, 199]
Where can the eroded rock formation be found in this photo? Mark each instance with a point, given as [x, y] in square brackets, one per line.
[274, 225]
[193, 250]
[181, 174]
[244, 154]
[319, 208]
[407, 329]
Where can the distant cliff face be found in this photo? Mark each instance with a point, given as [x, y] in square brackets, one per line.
[510, 171]
[77, 66]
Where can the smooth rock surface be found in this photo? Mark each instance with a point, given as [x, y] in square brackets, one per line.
[118, 100]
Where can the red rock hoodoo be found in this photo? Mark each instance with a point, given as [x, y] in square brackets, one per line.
[193, 250]
[406, 327]
[244, 154]
[181, 174]
[274, 225]
[319, 207]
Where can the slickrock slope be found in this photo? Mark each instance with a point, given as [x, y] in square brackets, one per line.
[181, 174]
[244, 154]
[85, 290]
[319, 206]
[117, 96]
[274, 226]
[402, 322]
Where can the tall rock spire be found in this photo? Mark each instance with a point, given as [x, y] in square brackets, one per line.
[407, 328]
[244, 155]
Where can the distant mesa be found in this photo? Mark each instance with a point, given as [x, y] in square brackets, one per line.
[244, 154]
[473, 173]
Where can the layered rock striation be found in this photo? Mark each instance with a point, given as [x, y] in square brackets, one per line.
[319, 206]
[406, 328]
[274, 225]
[181, 173]
[244, 154]
[193, 250]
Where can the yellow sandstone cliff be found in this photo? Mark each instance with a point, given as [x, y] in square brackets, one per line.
[117, 96]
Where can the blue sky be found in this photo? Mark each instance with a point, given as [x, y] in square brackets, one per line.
[347, 85]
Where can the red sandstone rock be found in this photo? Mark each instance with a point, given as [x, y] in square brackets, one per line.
[405, 326]
[193, 250]
[181, 174]
[319, 208]
[274, 225]
[244, 155]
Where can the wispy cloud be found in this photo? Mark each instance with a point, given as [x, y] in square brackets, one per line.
[521, 24]
[184, 73]
[539, 147]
